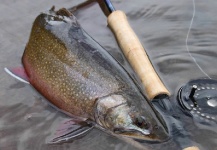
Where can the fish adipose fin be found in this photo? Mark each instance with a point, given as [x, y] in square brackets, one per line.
[70, 130]
[18, 73]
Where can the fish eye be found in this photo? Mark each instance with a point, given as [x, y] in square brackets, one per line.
[141, 122]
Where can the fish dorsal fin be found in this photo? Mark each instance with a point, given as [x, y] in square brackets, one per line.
[71, 129]
[18, 73]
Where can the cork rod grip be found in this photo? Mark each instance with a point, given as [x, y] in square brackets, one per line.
[192, 148]
[136, 55]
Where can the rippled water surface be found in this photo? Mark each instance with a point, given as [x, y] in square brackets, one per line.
[27, 121]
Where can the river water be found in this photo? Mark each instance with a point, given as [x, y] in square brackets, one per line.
[27, 121]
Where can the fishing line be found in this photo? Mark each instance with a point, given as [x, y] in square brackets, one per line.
[186, 42]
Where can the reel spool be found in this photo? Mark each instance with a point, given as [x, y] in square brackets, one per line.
[199, 99]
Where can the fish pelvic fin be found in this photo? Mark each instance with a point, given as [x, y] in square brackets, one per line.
[70, 130]
[18, 73]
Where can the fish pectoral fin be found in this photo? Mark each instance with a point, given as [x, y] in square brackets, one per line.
[18, 73]
[70, 130]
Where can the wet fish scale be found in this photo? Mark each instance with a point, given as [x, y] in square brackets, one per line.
[67, 74]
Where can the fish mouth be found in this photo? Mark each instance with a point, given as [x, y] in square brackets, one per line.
[131, 132]
[156, 136]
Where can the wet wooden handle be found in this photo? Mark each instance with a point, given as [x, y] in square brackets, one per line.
[136, 55]
[192, 148]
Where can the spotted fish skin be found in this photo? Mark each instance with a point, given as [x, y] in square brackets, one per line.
[65, 65]
[78, 76]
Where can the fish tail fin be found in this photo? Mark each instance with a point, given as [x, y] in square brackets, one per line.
[18, 73]
[69, 130]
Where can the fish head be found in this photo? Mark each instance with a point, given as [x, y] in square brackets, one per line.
[125, 119]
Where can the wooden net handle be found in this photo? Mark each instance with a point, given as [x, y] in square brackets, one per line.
[136, 55]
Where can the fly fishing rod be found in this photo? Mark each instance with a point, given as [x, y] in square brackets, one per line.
[134, 51]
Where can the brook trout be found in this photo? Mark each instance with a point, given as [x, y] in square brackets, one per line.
[78, 76]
